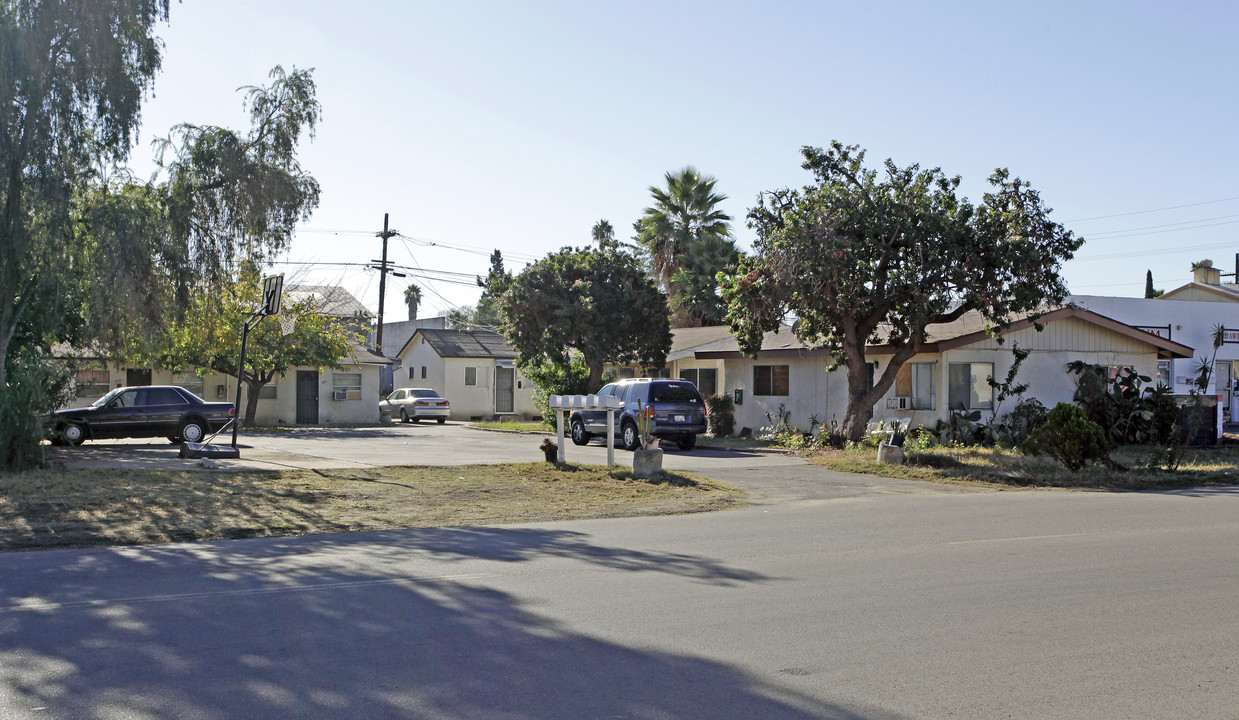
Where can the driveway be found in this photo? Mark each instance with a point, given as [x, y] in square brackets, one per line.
[766, 476]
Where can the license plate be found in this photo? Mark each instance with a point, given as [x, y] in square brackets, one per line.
[678, 418]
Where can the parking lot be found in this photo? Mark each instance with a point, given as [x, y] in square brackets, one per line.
[414, 444]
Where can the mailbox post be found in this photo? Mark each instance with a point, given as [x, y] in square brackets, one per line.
[563, 405]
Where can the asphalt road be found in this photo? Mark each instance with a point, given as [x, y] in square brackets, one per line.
[834, 597]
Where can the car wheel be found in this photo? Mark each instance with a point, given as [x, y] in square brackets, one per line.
[688, 442]
[442, 420]
[579, 436]
[193, 430]
[404, 416]
[631, 439]
[73, 433]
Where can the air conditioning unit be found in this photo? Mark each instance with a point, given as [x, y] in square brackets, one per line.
[899, 402]
[339, 394]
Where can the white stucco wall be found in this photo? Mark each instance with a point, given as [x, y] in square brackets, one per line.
[810, 391]
[282, 409]
[447, 377]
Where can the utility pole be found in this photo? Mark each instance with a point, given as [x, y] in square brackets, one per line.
[378, 333]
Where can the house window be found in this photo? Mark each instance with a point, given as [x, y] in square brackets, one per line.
[346, 386]
[267, 392]
[969, 387]
[1163, 372]
[412, 373]
[626, 372]
[706, 379]
[91, 383]
[771, 380]
[924, 395]
[471, 376]
[189, 380]
[423, 372]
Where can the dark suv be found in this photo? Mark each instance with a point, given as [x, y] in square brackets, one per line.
[679, 412]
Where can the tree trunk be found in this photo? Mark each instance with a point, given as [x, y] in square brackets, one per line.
[594, 384]
[862, 396]
[251, 400]
[859, 412]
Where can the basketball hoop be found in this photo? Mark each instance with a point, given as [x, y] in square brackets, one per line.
[287, 322]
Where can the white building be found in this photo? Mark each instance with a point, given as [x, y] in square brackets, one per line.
[948, 374]
[474, 369]
[1195, 315]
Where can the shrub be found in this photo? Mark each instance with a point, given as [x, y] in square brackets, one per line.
[1068, 436]
[721, 415]
[35, 388]
[551, 380]
[1018, 424]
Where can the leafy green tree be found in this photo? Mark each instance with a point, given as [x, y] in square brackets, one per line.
[599, 304]
[861, 259]
[687, 239]
[72, 78]
[211, 338]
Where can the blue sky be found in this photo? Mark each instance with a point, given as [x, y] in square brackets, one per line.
[517, 125]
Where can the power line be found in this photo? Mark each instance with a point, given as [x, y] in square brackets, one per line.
[1147, 253]
[1174, 227]
[1145, 212]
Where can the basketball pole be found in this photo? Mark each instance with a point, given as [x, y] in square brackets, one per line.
[272, 291]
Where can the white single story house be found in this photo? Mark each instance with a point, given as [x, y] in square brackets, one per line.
[948, 374]
[474, 369]
[303, 396]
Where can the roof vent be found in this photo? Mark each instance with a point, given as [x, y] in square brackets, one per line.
[1203, 272]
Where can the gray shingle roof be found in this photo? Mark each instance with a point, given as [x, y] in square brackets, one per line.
[330, 300]
[465, 343]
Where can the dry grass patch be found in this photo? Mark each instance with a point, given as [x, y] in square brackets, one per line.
[80, 508]
[1204, 467]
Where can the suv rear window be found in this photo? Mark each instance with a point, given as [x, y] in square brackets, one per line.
[674, 393]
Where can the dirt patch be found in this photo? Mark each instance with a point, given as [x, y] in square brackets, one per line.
[83, 508]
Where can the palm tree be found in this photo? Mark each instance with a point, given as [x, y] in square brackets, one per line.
[682, 216]
[695, 300]
[688, 240]
[412, 298]
[603, 233]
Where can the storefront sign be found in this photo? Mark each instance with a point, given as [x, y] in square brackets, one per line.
[1161, 331]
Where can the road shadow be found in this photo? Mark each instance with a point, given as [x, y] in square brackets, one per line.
[235, 630]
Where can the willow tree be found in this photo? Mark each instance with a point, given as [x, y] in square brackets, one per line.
[72, 79]
[862, 258]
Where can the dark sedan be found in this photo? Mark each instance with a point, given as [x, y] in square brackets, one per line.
[136, 412]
